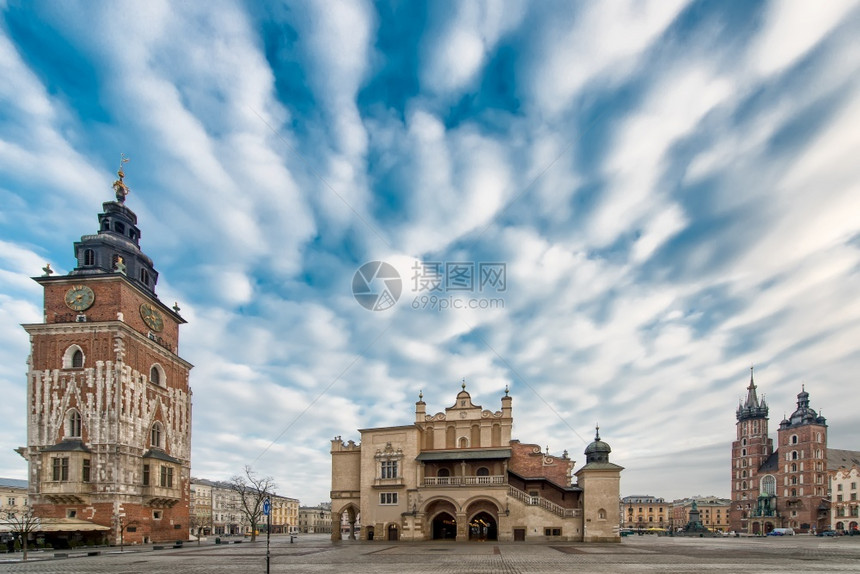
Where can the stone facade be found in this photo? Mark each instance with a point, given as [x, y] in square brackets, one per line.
[108, 397]
[458, 475]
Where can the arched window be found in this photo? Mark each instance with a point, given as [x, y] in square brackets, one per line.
[73, 358]
[443, 472]
[483, 471]
[743, 452]
[601, 514]
[463, 442]
[743, 441]
[89, 257]
[794, 455]
[794, 467]
[794, 439]
[428, 438]
[768, 485]
[155, 435]
[106, 225]
[73, 424]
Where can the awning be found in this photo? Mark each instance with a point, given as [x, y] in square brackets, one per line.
[465, 454]
[57, 525]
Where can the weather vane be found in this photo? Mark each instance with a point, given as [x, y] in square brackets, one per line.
[119, 185]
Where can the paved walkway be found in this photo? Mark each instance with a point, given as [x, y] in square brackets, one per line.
[316, 554]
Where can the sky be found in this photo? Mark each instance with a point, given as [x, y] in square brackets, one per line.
[612, 208]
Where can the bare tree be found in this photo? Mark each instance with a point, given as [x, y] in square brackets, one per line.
[197, 523]
[123, 526]
[252, 492]
[22, 522]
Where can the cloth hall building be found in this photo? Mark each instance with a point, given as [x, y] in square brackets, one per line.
[458, 475]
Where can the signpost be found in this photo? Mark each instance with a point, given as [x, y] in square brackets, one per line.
[267, 512]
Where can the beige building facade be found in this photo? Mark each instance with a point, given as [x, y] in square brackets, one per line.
[844, 503]
[643, 512]
[713, 512]
[315, 519]
[459, 475]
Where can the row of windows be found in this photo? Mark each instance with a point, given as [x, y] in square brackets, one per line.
[60, 469]
[73, 358]
[116, 261]
[853, 486]
[839, 497]
[471, 441]
[165, 477]
[74, 429]
[387, 498]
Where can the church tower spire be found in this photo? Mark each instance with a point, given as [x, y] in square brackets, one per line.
[750, 450]
[752, 408]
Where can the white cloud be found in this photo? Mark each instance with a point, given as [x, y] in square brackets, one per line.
[604, 39]
[792, 28]
[454, 57]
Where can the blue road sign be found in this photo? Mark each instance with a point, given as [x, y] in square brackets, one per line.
[266, 507]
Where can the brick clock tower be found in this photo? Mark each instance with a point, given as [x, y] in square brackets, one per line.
[108, 397]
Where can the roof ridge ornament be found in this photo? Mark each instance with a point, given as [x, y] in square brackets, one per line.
[119, 186]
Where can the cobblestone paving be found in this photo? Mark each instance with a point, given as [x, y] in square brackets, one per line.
[315, 554]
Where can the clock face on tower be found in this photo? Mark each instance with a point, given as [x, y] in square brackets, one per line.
[151, 317]
[80, 298]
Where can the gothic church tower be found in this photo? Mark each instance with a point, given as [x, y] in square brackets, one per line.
[750, 450]
[108, 396]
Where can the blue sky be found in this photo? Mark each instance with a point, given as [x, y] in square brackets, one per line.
[672, 188]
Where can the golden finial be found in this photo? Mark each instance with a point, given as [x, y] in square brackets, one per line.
[119, 185]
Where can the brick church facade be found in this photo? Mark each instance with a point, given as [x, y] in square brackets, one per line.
[108, 396]
[782, 485]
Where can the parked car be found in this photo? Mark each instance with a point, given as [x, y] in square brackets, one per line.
[827, 533]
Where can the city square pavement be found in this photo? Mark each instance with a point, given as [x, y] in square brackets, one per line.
[316, 554]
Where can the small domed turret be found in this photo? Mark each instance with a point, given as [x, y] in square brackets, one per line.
[597, 451]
